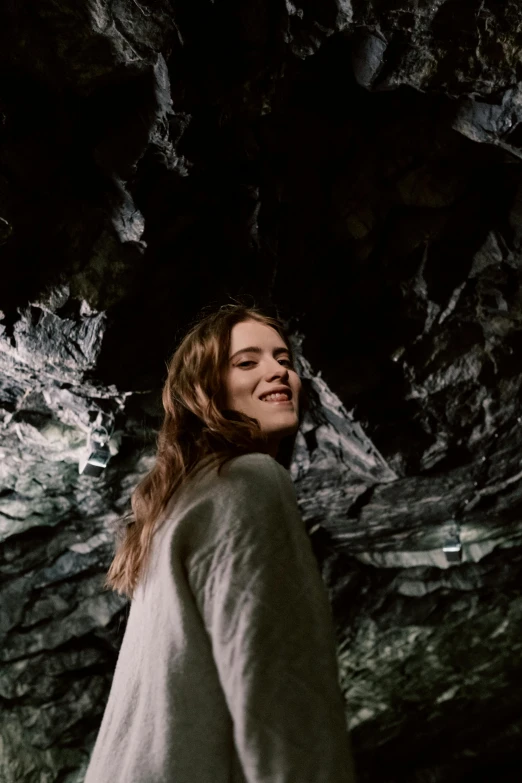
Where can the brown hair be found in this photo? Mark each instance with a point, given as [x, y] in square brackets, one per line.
[195, 426]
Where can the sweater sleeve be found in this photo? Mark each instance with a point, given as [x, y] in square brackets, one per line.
[266, 610]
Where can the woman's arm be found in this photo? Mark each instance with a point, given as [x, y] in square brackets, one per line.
[267, 613]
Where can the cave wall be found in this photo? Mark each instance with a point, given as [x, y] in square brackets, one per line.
[356, 168]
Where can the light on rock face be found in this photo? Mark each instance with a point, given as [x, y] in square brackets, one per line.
[94, 463]
[453, 549]
[97, 456]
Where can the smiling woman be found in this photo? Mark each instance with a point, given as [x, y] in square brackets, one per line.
[212, 416]
[227, 671]
[261, 381]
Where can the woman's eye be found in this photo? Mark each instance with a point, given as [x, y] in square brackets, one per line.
[249, 361]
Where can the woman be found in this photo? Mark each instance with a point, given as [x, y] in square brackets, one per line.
[227, 671]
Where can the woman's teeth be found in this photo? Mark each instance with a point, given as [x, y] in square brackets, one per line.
[276, 398]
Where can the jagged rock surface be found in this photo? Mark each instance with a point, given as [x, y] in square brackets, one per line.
[356, 164]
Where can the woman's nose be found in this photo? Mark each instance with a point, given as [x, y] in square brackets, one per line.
[277, 370]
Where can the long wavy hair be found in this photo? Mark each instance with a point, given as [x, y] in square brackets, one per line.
[196, 426]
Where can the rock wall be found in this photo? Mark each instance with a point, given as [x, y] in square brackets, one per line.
[355, 167]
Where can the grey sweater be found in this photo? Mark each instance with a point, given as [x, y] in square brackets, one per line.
[228, 671]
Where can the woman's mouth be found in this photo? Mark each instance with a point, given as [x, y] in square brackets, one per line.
[277, 398]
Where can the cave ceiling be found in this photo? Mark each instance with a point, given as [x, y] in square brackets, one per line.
[356, 168]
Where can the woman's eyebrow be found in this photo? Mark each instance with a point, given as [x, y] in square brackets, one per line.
[255, 349]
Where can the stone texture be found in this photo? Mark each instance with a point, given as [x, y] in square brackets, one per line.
[356, 167]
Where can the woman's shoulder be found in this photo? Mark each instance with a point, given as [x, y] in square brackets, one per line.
[253, 459]
[246, 478]
[255, 464]
[254, 473]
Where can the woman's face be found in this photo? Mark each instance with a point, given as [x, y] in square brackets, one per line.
[259, 364]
